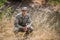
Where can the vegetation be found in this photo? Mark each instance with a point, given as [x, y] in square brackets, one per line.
[46, 22]
[54, 2]
[2, 2]
[49, 1]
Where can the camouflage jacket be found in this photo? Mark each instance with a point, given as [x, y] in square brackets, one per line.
[22, 21]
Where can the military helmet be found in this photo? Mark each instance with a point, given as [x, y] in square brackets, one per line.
[24, 8]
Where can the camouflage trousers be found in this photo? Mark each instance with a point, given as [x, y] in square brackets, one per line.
[17, 29]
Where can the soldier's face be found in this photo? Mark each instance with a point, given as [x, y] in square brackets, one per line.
[24, 12]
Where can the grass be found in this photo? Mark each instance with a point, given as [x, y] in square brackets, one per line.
[2, 2]
[49, 1]
[44, 24]
[55, 2]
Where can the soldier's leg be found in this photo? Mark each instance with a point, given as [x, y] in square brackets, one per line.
[30, 29]
[15, 30]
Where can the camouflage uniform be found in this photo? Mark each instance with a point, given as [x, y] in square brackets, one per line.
[21, 21]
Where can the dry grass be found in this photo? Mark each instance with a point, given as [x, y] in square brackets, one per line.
[44, 21]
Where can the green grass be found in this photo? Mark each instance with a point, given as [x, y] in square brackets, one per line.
[55, 2]
[2, 2]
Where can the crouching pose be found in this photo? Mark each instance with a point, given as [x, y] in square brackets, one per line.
[22, 22]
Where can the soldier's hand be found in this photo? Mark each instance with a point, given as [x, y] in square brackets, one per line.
[24, 29]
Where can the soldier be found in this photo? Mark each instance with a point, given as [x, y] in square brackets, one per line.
[22, 22]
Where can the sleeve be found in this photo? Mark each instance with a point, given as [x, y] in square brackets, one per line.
[16, 20]
[29, 22]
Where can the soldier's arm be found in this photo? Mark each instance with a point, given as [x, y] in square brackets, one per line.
[29, 22]
[16, 20]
